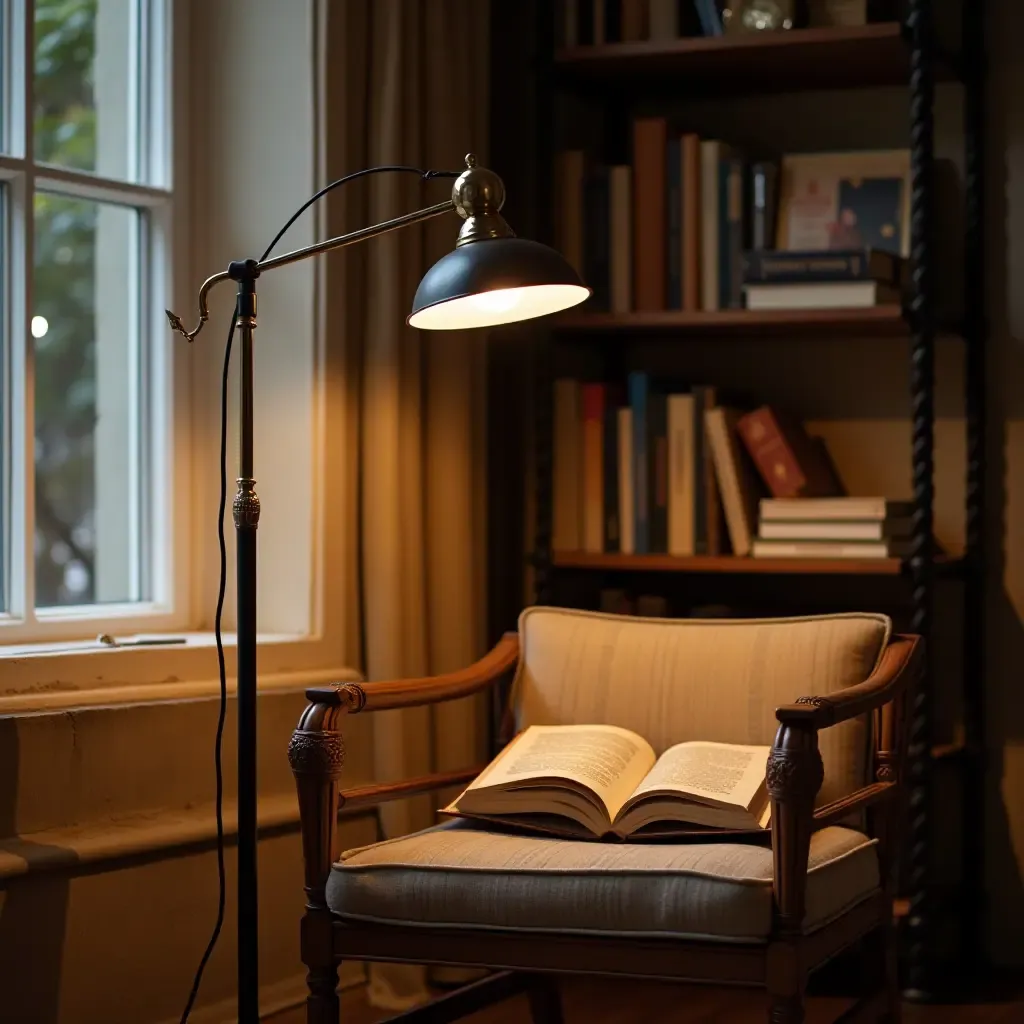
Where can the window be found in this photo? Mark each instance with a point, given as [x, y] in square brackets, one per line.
[85, 387]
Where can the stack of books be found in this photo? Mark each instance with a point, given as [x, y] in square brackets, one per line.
[833, 528]
[826, 279]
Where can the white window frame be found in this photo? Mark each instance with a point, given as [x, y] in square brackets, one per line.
[167, 607]
[235, 157]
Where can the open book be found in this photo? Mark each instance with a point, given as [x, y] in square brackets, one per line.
[593, 781]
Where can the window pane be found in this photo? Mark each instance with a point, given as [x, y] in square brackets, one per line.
[90, 533]
[5, 412]
[86, 94]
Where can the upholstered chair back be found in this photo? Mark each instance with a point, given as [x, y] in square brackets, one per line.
[672, 680]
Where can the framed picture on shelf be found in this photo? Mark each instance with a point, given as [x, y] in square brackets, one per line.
[849, 200]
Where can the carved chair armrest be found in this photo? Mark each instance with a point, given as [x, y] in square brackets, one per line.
[795, 771]
[317, 751]
[837, 811]
[407, 693]
[897, 669]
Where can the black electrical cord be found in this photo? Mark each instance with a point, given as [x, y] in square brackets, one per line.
[424, 176]
[222, 586]
[219, 741]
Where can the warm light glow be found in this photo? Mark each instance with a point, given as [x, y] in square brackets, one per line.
[39, 326]
[501, 306]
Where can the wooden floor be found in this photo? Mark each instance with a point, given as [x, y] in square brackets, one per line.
[624, 1002]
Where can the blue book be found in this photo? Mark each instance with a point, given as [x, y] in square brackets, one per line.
[638, 389]
[710, 19]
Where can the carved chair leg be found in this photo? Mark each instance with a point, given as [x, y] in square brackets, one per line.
[322, 1005]
[545, 1000]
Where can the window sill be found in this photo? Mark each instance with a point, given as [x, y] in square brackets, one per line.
[52, 676]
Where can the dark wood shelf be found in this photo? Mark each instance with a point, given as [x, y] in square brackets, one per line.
[803, 59]
[730, 564]
[871, 321]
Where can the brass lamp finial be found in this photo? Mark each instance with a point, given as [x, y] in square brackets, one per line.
[478, 194]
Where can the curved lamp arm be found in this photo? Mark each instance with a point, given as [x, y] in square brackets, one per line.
[300, 254]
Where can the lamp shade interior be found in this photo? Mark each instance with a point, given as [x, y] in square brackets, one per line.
[495, 281]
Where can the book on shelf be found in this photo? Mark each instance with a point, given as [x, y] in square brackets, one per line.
[825, 266]
[764, 181]
[737, 479]
[597, 249]
[567, 456]
[843, 509]
[710, 16]
[594, 528]
[570, 168]
[834, 529]
[604, 782]
[599, 22]
[650, 155]
[717, 166]
[627, 498]
[620, 238]
[633, 469]
[790, 463]
[821, 295]
[831, 549]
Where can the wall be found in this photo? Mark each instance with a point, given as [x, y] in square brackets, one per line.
[108, 880]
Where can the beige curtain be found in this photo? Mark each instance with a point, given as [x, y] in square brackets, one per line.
[407, 84]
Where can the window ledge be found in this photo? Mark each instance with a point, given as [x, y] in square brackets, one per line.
[157, 835]
[61, 676]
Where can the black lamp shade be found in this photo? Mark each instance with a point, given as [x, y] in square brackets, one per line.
[495, 281]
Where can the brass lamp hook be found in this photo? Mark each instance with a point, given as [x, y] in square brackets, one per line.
[204, 311]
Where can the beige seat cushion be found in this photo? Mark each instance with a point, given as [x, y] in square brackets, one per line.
[460, 875]
[672, 680]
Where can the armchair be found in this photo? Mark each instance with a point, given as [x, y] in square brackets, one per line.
[833, 691]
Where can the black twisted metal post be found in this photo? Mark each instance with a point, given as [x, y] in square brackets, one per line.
[922, 384]
[543, 396]
[975, 331]
[543, 467]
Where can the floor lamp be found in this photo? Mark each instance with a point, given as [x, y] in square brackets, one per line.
[490, 278]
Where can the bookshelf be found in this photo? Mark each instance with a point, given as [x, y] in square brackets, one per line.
[888, 321]
[815, 58]
[732, 564]
[617, 78]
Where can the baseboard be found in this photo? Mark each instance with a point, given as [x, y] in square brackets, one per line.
[274, 999]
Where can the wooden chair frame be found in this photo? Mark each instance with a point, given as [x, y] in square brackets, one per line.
[526, 962]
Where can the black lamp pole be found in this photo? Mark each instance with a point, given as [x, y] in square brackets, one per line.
[505, 262]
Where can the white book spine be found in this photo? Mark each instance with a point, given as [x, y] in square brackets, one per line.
[627, 529]
[816, 549]
[682, 463]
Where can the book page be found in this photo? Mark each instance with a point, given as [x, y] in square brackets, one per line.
[720, 773]
[605, 759]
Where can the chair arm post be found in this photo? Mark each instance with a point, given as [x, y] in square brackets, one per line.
[794, 775]
[317, 755]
